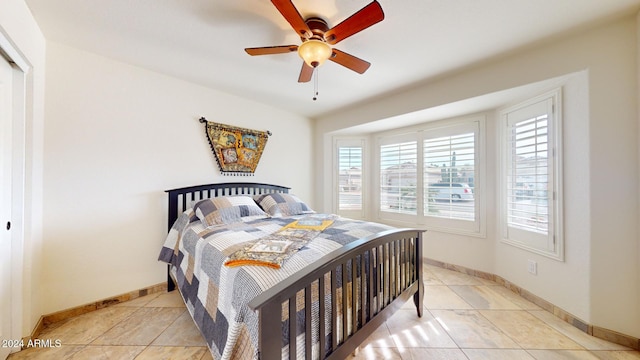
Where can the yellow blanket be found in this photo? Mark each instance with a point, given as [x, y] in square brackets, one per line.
[274, 249]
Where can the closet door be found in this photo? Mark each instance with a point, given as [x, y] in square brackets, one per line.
[6, 120]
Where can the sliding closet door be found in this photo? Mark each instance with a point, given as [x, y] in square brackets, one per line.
[6, 101]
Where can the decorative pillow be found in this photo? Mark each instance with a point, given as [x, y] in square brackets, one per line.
[282, 204]
[227, 209]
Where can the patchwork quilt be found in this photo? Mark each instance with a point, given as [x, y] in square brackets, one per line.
[217, 295]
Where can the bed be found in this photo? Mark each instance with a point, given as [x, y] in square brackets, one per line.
[320, 301]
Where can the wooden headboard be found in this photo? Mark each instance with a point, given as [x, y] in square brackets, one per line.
[180, 199]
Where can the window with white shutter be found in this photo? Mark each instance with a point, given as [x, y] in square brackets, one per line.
[350, 177]
[449, 176]
[452, 195]
[429, 175]
[528, 174]
[398, 177]
[531, 200]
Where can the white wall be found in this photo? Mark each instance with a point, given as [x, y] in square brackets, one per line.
[599, 281]
[20, 28]
[117, 136]
[613, 133]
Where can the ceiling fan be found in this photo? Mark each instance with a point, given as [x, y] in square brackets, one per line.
[317, 38]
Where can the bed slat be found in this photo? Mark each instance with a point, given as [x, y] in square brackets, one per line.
[321, 316]
[345, 303]
[334, 310]
[293, 329]
[363, 287]
[307, 319]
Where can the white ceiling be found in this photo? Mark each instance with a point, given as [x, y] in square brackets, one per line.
[203, 41]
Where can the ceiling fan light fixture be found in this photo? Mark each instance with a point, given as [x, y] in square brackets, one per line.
[314, 52]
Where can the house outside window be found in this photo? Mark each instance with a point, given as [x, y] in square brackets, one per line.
[531, 197]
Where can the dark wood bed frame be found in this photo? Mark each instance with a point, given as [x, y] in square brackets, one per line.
[392, 261]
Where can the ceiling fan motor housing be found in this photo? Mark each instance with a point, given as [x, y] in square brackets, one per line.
[318, 27]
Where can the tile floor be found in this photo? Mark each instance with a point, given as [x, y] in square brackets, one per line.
[467, 318]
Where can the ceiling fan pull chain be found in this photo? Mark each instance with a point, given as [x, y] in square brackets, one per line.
[315, 83]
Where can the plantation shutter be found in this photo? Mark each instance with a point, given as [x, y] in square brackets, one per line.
[398, 177]
[350, 177]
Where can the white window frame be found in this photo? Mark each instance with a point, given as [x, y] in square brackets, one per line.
[476, 123]
[452, 128]
[339, 142]
[550, 244]
[389, 215]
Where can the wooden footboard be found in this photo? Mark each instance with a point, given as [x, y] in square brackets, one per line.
[392, 264]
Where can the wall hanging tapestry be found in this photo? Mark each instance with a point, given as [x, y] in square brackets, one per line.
[237, 150]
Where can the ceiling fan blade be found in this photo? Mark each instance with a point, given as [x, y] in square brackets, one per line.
[305, 73]
[365, 17]
[291, 14]
[349, 61]
[270, 50]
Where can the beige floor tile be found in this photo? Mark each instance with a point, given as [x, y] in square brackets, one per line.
[469, 329]
[483, 297]
[91, 352]
[450, 277]
[585, 340]
[436, 354]
[617, 355]
[83, 329]
[497, 354]
[380, 338]
[430, 278]
[168, 299]
[515, 298]
[502, 326]
[562, 355]
[373, 353]
[442, 297]
[63, 352]
[207, 355]
[141, 328]
[409, 331]
[183, 332]
[528, 331]
[410, 305]
[174, 353]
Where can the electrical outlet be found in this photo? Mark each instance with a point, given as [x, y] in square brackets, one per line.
[532, 267]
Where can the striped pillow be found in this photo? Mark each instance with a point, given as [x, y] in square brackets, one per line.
[227, 209]
[282, 204]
